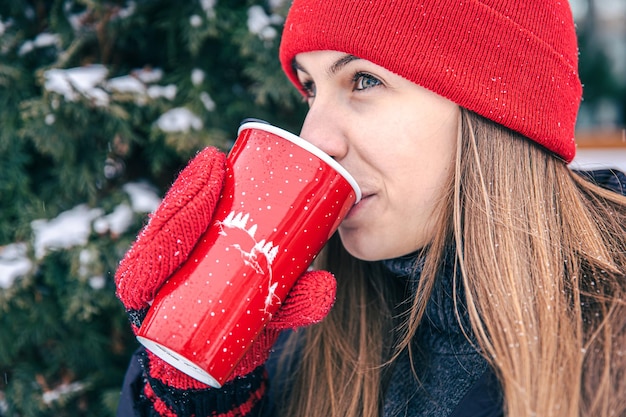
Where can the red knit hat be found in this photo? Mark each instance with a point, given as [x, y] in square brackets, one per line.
[511, 61]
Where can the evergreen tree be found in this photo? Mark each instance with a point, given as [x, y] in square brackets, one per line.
[102, 103]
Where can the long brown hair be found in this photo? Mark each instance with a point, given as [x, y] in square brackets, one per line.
[542, 258]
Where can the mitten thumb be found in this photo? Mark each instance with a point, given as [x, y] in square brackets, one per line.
[308, 302]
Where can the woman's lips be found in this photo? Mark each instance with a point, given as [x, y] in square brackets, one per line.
[358, 206]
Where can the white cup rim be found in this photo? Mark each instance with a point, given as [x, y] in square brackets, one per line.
[307, 146]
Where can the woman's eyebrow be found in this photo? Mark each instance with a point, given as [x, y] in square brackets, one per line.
[297, 67]
[340, 63]
[333, 69]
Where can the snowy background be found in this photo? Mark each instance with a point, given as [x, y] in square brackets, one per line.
[600, 158]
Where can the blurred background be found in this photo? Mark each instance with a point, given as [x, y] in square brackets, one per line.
[601, 138]
[102, 102]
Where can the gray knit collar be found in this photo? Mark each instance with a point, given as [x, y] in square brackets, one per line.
[406, 266]
[441, 314]
[446, 362]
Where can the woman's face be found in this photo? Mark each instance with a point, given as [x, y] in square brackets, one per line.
[397, 140]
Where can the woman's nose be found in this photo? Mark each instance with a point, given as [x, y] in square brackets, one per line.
[323, 127]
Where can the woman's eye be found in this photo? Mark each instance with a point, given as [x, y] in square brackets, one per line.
[364, 81]
[309, 88]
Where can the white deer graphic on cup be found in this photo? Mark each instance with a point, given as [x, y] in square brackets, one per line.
[251, 250]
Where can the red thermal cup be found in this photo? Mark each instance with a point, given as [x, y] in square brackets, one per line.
[282, 200]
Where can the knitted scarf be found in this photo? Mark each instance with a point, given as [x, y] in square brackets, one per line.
[446, 363]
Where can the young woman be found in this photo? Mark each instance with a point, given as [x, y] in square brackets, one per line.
[478, 276]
